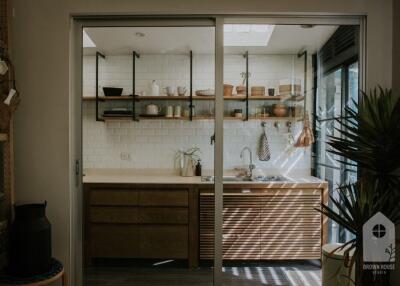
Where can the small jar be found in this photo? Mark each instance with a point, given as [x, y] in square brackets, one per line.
[238, 113]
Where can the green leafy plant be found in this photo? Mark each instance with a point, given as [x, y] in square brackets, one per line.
[369, 138]
[244, 75]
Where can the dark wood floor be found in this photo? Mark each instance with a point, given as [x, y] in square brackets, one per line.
[304, 273]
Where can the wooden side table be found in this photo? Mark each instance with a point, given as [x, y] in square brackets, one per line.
[56, 273]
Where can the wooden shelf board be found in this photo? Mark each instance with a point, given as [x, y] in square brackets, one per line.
[106, 98]
[3, 137]
[164, 97]
[117, 119]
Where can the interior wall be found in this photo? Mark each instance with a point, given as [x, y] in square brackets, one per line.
[41, 54]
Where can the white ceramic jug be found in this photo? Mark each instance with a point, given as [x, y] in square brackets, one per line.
[154, 88]
[152, 109]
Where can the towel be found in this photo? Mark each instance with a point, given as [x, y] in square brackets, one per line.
[263, 149]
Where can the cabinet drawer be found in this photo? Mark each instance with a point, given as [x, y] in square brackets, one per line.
[169, 242]
[166, 197]
[114, 240]
[163, 215]
[114, 214]
[149, 215]
[114, 197]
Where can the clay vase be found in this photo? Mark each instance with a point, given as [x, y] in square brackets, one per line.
[241, 90]
[280, 110]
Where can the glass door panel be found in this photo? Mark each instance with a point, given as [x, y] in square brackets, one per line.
[329, 107]
[269, 88]
[148, 119]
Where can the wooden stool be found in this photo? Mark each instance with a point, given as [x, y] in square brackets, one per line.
[57, 272]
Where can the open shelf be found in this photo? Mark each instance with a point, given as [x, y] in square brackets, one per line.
[3, 137]
[106, 98]
[116, 118]
[165, 97]
[200, 117]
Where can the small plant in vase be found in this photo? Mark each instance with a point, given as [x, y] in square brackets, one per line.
[187, 160]
[241, 89]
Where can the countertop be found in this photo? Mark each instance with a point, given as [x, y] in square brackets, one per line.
[156, 176]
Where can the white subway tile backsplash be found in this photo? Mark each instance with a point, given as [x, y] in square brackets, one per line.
[154, 143]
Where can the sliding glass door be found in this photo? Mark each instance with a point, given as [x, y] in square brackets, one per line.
[338, 89]
[235, 92]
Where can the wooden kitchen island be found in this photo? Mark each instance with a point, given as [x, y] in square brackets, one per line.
[136, 215]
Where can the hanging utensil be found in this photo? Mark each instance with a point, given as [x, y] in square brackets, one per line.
[291, 140]
[306, 137]
[264, 153]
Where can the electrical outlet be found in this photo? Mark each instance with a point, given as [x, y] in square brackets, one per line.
[125, 156]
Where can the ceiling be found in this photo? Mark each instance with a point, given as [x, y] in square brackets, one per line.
[285, 39]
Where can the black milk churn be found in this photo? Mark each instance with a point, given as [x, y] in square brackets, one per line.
[30, 241]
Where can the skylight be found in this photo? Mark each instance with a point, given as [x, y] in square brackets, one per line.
[87, 41]
[239, 35]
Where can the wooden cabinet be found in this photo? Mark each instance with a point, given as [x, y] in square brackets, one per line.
[141, 221]
[266, 224]
[177, 222]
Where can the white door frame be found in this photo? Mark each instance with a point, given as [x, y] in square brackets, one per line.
[78, 22]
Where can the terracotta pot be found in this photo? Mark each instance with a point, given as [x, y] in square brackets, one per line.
[228, 89]
[280, 110]
[241, 89]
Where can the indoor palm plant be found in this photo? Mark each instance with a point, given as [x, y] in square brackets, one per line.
[369, 138]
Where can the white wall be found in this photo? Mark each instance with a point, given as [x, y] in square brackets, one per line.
[41, 51]
[153, 144]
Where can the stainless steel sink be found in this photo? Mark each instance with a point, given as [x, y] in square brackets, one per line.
[235, 179]
[244, 179]
[270, 179]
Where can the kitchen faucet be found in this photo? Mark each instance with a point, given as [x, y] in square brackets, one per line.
[249, 172]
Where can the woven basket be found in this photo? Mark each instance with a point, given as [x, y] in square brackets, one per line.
[257, 90]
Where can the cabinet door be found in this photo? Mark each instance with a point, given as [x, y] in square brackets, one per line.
[114, 240]
[241, 227]
[290, 225]
[163, 241]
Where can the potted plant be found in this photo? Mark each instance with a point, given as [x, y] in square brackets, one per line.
[187, 160]
[241, 89]
[370, 140]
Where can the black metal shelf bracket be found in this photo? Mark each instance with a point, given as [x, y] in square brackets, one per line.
[135, 56]
[246, 56]
[98, 55]
[299, 55]
[191, 87]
